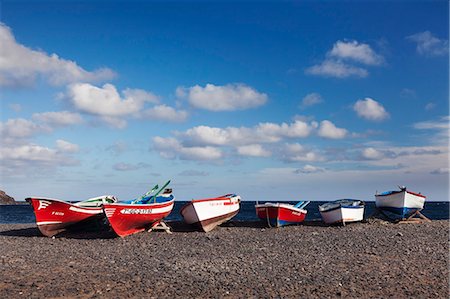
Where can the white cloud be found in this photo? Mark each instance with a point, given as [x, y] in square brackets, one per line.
[341, 60]
[29, 159]
[171, 148]
[295, 152]
[20, 66]
[328, 130]
[370, 109]
[261, 133]
[60, 118]
[311, 100]
[307, 169]
[104, 101]
[140, 95]
[165, 113]
[67, 147]
[355, 51]
[253, 150]
[228, 97]
[428, 44]
[337, 69]
[371, 153]
[113, 108]
[21, 128]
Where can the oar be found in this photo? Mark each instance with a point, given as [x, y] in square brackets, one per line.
[146, 194]
[301, 204]
[157, 193]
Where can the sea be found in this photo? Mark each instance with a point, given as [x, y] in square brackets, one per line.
[23, 213]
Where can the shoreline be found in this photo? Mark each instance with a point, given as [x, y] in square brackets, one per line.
[240, 259]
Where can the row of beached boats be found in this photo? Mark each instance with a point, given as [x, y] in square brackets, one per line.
[54, 216]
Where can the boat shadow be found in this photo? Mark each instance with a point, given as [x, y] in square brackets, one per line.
[22, 232]
[33, 232]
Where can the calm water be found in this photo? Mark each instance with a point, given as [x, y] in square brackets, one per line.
[24, 213]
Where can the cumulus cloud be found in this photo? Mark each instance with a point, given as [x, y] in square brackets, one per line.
[165, 113]
[344, 60]
[295, 152]
[370, 110]
[311, 100]
[59, 118]
[253, 150]
[65, 146]
[355, 51]
[228, 97]
[21, 66]
[113, 107]
[428, 44]
[105, 100]
[27, 158]
[261, 133]
[337, 69]
[371, 153]
[171, 148]
[307, 169]
[21, 128]
[328, 130]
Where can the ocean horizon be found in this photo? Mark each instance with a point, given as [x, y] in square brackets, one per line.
[23, 213]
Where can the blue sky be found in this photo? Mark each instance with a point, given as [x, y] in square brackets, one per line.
[269, 100]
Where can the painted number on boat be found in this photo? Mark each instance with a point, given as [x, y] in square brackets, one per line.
[136, 211]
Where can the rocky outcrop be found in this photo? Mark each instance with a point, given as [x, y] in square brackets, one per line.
[5, 199]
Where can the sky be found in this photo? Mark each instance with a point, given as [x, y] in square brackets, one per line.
[313, 100]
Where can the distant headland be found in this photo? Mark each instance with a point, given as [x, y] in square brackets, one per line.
[5, 199]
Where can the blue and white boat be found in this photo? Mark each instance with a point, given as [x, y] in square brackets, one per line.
[342, 211]
[400, 204]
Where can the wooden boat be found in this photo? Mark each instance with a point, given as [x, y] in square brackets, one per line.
[140, 214]
[401, 203]
[54, 216]
[280, 214]
[210, 212]
[342, 211]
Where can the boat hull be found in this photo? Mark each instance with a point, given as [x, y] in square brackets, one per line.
[279, 214]
[401, 204]
[207, 214]
[127, 219]
[54, 216]
[343, 215]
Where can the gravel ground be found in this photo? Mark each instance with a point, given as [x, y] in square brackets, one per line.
[376, 259]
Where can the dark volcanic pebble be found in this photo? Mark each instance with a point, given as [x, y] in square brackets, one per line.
[240, 260]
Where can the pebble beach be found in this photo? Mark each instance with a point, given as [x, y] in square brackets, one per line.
[376, 259]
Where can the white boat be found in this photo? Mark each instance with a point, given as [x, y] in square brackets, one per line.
[342, 211]
[402, 203]
[211, 212]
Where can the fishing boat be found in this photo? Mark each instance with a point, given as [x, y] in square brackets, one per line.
[210, 212]
[342, 211]
[401, 203]
[54, 216]
[280, 214]
[139, 214]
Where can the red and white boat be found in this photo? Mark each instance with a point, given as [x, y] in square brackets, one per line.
[210, 212]
[54, 216]
[280, 214]
[129, 217]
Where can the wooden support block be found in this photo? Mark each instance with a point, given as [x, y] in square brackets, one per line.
[161, 226]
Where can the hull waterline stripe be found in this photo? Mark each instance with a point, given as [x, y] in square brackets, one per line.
[48, 222]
